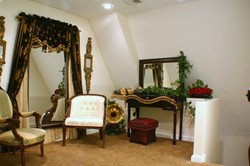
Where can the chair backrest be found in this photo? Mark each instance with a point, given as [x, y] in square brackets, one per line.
[5, 105]
[6, 109]
[60, 110]
[88, 106]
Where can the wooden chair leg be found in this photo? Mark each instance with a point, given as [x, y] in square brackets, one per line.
[103, 137]
[42, 149]
[100, 133]
[64, 136]
[22, 155]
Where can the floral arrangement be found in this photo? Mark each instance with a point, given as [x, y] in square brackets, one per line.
[199, 89]
[124, 91]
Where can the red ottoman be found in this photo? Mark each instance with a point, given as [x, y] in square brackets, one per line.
[143, 130]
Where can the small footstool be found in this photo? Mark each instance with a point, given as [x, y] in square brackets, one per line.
[143, 130]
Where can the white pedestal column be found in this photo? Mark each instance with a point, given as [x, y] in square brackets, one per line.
[206, 132]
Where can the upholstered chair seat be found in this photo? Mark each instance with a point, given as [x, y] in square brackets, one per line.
[86, 111]
[30, 136]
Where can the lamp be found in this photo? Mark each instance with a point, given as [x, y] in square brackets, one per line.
[88, 64]
[107, 6]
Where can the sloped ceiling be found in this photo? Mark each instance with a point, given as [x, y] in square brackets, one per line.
[112, 31]
[92, 8]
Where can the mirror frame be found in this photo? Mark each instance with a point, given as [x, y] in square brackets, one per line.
[142, 62]
[2, 42]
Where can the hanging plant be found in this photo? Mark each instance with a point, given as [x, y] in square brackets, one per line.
[184, 67]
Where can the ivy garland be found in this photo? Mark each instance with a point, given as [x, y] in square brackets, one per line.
[184, 68]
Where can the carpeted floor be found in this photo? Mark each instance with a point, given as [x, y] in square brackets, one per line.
[118, 152]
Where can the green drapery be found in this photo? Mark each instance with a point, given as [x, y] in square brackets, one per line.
[52, 35]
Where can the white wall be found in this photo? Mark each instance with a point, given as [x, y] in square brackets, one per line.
[214, 35]
[101, 81]
[117, 47]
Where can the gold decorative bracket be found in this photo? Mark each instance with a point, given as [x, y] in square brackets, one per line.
[88, 64]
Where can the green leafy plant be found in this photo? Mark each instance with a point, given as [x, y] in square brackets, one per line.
[61, 85]
[197, 89]
[184, 68]
[116, 128]
[190, 108]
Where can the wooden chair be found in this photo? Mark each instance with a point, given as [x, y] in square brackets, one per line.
[55, 115]
[86, 111]
[15, 138]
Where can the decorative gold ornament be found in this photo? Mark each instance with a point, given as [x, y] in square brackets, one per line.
[88, 64]
[115, 113]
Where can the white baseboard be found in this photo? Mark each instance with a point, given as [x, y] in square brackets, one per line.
[91, 131]
[164, 134]
[161, 134]
[198, 158]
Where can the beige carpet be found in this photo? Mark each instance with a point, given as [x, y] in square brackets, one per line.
[118, 152]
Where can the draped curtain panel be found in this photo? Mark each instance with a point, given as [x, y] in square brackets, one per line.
[157, 74]
[74, 54]
[20, 58]
[51, 35]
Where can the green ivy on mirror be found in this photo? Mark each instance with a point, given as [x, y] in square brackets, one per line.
[184, 69]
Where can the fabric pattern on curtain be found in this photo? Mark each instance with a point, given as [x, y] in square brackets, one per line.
[74, 53]
[51, 35]
[20, 58]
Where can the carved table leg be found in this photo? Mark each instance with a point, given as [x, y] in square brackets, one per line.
[174, 133]
[129, 112]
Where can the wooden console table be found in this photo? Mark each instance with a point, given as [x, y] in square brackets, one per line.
[163, 102]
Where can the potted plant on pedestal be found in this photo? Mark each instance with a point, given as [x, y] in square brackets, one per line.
[200, 90]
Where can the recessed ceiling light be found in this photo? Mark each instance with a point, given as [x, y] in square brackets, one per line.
[107, 6]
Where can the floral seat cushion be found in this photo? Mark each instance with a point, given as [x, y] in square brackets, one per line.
[30, 135]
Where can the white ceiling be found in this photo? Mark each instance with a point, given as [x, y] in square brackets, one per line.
[92, 8]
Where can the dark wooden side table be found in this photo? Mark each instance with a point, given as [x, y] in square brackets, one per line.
[163, 102]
